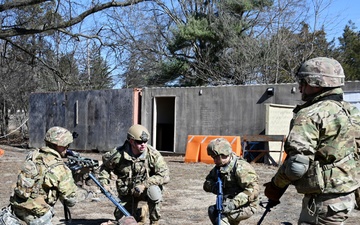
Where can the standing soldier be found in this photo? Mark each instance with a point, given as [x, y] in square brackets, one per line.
[240, 187]
[320, 147]
[141, 173]
[44, 179]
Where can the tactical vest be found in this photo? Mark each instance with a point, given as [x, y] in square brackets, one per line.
[31, 177]
[319, 178]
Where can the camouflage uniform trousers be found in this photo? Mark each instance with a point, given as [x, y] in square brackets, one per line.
[131, 205]
[34, 220]
[329, 209]
[232, 218]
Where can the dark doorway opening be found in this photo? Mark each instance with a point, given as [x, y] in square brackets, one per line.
[165, 123]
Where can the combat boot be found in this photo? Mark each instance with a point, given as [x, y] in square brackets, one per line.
[144, 211]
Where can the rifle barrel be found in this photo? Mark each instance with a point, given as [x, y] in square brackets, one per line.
[109, 196]
[219, 197]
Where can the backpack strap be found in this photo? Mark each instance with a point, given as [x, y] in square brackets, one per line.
[38, 185]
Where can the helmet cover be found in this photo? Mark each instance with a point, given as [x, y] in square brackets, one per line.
[322, 72]
[219, 146]
[138, 132]
[59, 136]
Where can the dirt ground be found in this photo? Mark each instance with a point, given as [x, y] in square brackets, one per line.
[184, 200]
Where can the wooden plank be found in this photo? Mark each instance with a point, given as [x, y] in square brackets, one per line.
[263, 152]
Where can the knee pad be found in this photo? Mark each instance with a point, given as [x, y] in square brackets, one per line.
[154, 193]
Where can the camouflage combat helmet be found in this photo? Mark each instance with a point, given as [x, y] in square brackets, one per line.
[219, 146]
[322, 72]
[138, 132]
[59, 136]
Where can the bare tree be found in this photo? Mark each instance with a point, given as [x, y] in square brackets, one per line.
[60, 15]
[40, 41]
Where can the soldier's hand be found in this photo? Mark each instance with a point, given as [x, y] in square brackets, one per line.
[138, 190]
[273, 192]
[272, 204]
[228, 206]
[215, 189]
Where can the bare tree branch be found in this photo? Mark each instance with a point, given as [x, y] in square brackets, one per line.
[6, 32]
[53, 69]
[19, 3]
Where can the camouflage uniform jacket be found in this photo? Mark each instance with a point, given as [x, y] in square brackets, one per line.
[56, 183]
[324, 130]
[240, 182]
[149, 168]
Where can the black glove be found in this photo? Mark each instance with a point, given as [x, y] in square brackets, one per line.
[215, 189]
[272, 203]
[228, 206]
[273, 192]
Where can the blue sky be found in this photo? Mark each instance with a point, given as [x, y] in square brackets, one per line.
[336, 16]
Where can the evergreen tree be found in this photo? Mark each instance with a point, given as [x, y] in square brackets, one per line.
[208, 40]
[96, 74]
[350, 52]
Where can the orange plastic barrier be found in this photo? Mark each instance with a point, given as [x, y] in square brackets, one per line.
[197, 144]
[193, 148]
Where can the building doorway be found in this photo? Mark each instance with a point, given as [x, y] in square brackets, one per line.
[164, 123]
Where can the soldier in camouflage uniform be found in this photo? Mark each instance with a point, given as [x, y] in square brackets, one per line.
[141, 173]
[321, 149]
[44, 179]
[239, 183]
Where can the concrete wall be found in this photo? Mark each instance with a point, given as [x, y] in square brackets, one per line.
[170, 114]
[99, 117]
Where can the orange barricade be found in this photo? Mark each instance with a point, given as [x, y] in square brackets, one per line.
[193, 148]
[197, 144]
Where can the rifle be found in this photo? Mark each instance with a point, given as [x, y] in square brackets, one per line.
[219, 197]
[268, 207]
[79, 166]
[114, 200]
[75, 162]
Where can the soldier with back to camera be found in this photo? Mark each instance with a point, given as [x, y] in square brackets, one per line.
[240, 187]
[43, 180]
[141, 173]
[321, 147]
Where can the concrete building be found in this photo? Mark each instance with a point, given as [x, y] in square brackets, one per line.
[101, 118]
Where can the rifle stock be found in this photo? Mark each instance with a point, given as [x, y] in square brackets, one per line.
[219, 197]
[109, 196]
